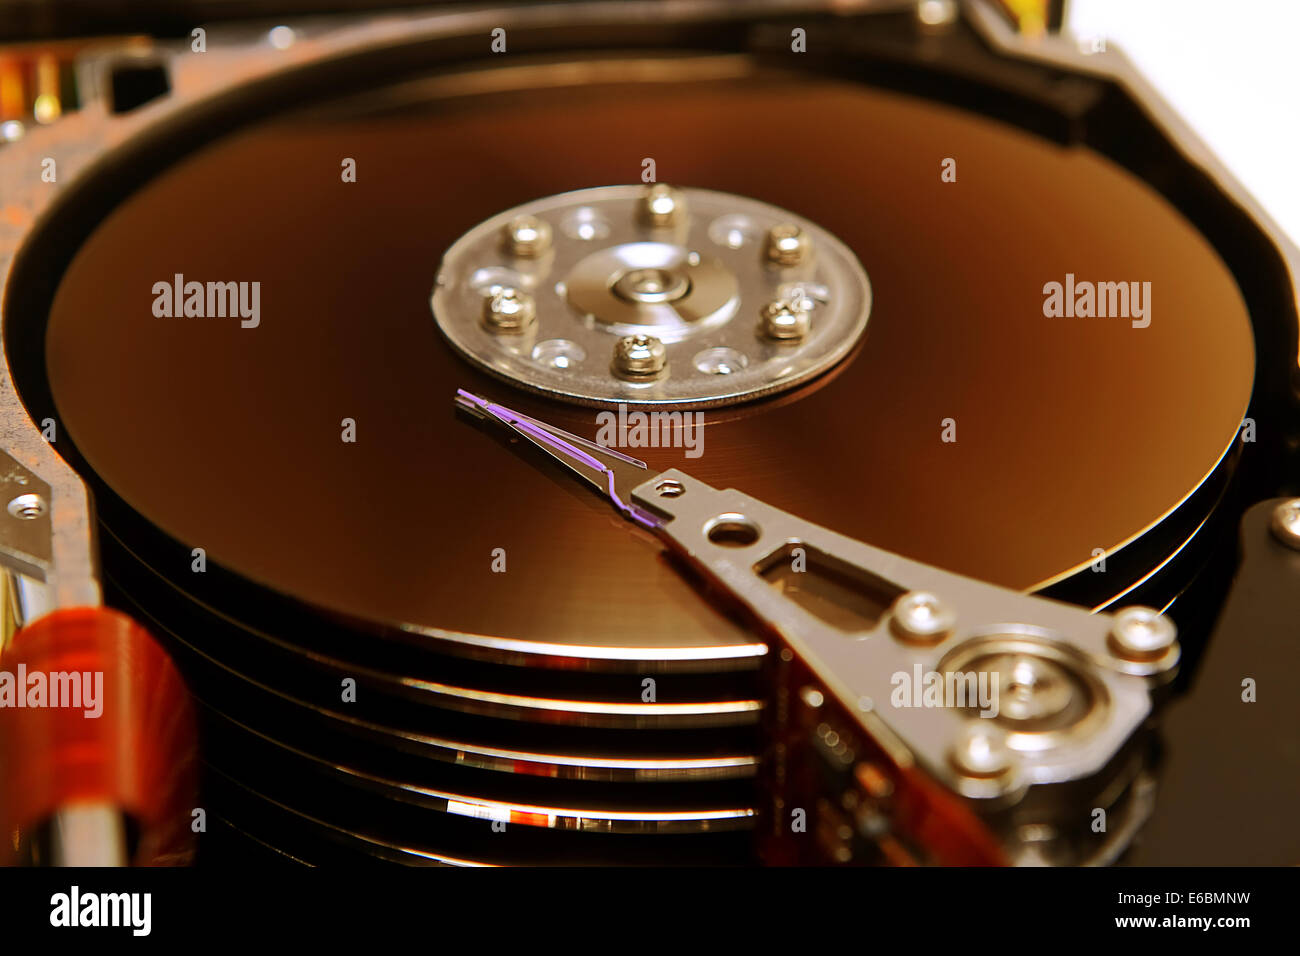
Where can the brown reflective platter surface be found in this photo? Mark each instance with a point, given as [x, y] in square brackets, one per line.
[1072, 434]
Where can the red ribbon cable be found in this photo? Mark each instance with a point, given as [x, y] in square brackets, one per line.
[138, 754]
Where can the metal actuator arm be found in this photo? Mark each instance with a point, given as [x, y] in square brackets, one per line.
[1045, 692]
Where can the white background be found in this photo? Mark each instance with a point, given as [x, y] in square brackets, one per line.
[1231, 68]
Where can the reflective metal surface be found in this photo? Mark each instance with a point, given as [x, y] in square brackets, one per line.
[1072, 438]
[696, 282]
[229, 438]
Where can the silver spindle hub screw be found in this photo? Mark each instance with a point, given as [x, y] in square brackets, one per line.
[661, 205]
[526, 237]
[509, 311]
[787, 320]
[787, 244]
[639, 356]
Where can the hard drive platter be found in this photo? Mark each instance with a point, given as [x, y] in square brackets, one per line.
[411, 640]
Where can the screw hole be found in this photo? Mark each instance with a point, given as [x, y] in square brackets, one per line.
[27, 507]
[670, 489]
[732, 531]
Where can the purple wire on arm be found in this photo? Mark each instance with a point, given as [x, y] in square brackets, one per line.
[531, 428]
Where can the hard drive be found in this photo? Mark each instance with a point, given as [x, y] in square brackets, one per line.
[640, 434]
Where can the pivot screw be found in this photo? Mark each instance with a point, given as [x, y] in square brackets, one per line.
[981, 750]
[787, 320]
[1144, 635]
[919, 617]
[1286, 523]
[661, 205]
[787, 244]
[526, 237]
[639, 356]
[1032, 688]
[509, 311]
